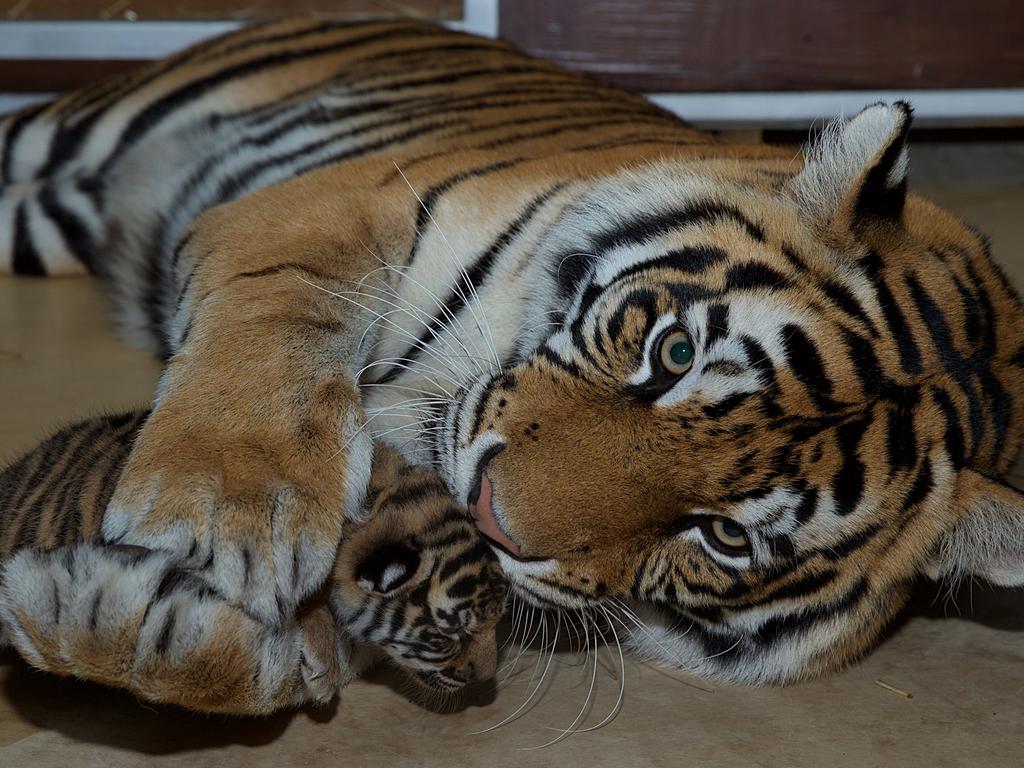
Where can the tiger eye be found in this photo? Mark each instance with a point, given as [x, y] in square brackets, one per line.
[729, 533]
[676, 352]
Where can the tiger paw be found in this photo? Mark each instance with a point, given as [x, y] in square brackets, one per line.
[258, 520]
[76, 610]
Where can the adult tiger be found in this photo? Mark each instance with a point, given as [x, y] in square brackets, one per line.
[754, 396]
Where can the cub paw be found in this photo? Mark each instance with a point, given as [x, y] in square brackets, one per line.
[324, 657]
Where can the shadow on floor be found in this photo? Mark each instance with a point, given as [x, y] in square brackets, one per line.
[92, 713]
[95, 714]
[976, 602]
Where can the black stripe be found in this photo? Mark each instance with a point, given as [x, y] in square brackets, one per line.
[465, 44]
[844, 300]
[754, 275]
[476, 274]
[26, 257]
[805, 510]
[864, 364]
[76, 235]
[212, 52]
[799, 587]
[518, 138]
[848, 484]
[642, 300]
[480, 552]
[901, 441]
[691, 260]
[635, 140]
[923, 485]
[935, 322]
[974, 317]
[954, 362]
[75, 476]
[718, 323]
[775, 629]
[153, 114]
[954, 436]
[723, 408]
[644, 227]
[163, 641]
[847, 545]
[910, 355]
[413, 492]
[423, 216]
[568, 366]
[759, 359]
[805, 361]
[480, 101]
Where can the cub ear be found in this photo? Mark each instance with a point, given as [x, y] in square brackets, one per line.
[856, 172]
[987, 538]
[387, 568]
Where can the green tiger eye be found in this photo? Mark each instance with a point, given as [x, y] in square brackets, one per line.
[676, 352]
[681, 352]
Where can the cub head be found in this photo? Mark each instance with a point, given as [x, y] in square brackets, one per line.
[418, 582]
[778, 393]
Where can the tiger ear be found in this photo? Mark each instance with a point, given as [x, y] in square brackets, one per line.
[856, 171]
[387, 568]
[987, 537]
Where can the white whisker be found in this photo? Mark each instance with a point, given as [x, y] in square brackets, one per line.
[484, 329]
[583, 710]
[533, 693]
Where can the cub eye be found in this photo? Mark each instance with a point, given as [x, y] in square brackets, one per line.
[676, 352]
[728, 536]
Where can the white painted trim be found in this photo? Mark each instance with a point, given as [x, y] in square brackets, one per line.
[103, 39]
[932, 108]
[479, 17]
[935, 109]
[9, 102]
[154, 39]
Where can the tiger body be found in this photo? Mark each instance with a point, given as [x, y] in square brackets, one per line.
[137, 619]
[484, 257]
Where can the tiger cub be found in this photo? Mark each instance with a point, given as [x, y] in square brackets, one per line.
[412, 582]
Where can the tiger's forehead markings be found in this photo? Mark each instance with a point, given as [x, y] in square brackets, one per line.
[626, 261]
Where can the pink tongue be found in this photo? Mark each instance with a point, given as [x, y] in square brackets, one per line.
[484, 517]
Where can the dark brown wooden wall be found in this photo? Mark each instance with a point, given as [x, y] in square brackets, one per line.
[655, 45]
[770, 45]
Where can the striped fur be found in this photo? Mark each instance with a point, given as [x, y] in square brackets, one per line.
[135, 618]
[431, 240]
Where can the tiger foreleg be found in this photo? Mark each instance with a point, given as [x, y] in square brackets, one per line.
[256, 451]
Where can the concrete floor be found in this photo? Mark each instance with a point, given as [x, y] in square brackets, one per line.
[961, 659]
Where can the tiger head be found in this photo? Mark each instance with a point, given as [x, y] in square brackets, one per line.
[776, 397]
[417, 581]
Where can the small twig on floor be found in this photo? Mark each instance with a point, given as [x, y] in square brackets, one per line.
[893, 689]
